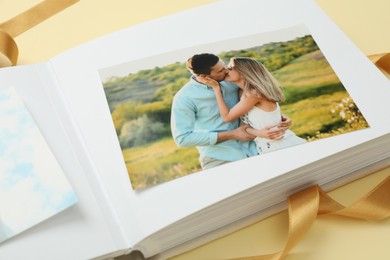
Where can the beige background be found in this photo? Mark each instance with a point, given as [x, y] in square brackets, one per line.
[365, 22]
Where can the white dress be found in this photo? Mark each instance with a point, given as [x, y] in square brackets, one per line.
[259, 119]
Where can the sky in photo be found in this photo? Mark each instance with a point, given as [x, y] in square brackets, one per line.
[32, 184]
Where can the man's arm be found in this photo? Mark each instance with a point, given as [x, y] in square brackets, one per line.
[182, 126]
[239, 134]
[183, 117]
[275, 132]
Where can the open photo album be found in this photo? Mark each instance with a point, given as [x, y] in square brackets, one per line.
[179, 130]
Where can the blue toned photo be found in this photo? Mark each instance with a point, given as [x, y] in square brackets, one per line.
[32, 184]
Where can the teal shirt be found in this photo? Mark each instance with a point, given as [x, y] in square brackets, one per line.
[195, 121]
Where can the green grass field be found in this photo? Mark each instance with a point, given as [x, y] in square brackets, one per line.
[160, 161]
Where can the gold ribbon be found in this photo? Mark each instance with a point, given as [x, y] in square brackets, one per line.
[25, 21]
[382, 61]
[8, 47]
[304, 206]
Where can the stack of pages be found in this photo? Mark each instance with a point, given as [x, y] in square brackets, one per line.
[104, 108]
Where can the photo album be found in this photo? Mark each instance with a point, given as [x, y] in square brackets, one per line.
[163, 136]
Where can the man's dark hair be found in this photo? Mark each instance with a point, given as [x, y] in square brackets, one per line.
[201, 63]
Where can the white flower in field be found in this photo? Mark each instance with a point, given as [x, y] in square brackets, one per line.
[341, 105]
[350, 105]
[332, 111]
[349, 121]
[342, 114]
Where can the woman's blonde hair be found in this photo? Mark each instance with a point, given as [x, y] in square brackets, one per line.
[258, 79]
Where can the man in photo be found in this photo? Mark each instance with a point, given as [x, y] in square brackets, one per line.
[196, 121]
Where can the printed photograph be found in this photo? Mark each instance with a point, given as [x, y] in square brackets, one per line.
[194, 109]
[32, 185]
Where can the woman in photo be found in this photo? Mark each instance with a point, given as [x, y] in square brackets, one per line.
[259, 102]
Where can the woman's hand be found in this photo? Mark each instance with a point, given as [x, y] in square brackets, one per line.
[207, 81]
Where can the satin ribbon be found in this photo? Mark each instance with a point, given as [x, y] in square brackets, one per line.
[8, 47]
[382, 61]
[305, 206]
[25, 21]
